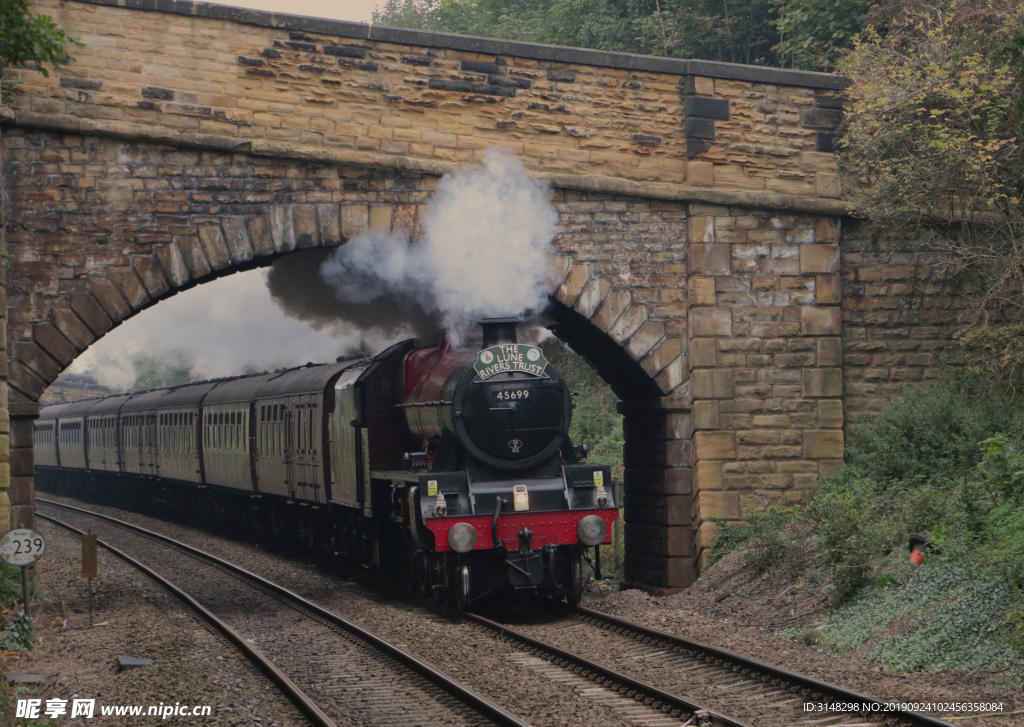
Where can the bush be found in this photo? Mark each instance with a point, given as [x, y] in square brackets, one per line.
[765, 533]
[947, 463]
[934, 432]
[595, 422]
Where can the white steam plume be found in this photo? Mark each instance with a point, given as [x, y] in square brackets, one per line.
[484, 253]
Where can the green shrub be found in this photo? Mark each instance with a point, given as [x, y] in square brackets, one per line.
[17, 634]
[947, 463]
[934, 432]
[730, 537]
[10, 585]
[595, 422]
[766, 534]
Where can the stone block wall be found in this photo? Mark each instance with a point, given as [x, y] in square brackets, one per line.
[766, 360]
[898, 315]
[265, 83]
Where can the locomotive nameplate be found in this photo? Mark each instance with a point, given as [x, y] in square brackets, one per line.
[510, 357]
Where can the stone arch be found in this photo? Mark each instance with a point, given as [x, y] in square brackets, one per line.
[627, 325]
[211, 249]
[645, 364]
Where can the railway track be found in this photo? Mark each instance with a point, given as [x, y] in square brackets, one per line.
[760, 678]
[630, 700]
[659, 679]
[757, 693]
[334, 671]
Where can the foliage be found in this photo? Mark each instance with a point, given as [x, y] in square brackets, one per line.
[594, 419]
[8, 89]
[155, 371]
[932, 431]
[814, 33]
[737, 31]
[764, 532]
[947, 463]
[931, 150]
[17, 634]
[28, 38]
[10, 585]
[994, 349]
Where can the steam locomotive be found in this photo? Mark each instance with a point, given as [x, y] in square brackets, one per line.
[447, 470]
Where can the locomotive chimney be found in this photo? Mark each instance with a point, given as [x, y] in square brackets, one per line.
[499, 330]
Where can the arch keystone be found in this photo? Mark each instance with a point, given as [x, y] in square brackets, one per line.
[614, 304]
[194, 256]
[212, 239]
[645, 339]
[328, 222]
[173, 263]
[281, 228]
[151, 275]
[91, 312]
[111, 299]
[592, 296]
[237, 238]
[307, 230]
[68, 323]
[573, 284]
[130, 287]
[260, 237]
[54, 343]
[628, 323]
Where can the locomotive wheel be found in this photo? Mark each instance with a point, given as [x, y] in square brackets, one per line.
[421, 574]
[574, 594]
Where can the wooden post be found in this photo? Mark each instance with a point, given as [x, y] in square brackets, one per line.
[24, 589]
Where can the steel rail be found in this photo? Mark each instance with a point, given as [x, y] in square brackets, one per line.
[785, 678]
[640, 691]
[297, 697]
[456, 689]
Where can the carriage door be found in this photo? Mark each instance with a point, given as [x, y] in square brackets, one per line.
[255, 426]
[299, 458]
[151, 447]
[289, 446]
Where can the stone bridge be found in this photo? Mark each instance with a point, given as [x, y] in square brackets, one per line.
[700, 238]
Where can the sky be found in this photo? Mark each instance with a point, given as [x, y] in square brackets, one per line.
[225, 325]
[360, 11]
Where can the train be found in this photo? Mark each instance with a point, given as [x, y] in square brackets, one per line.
[446, 470]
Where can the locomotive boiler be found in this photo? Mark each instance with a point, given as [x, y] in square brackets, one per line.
[447, 470]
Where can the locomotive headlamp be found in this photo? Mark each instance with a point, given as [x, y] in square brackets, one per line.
[591, 530]
[462, 537]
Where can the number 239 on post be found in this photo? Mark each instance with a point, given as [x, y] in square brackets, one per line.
[22, 546]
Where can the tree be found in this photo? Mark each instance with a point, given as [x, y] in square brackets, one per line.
[31, 38]
[814, 33]
[931, 153]
[798, 33]
[173, 368]
[738, 31]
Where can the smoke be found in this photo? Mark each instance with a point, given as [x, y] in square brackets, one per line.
[484, 252]
[297, 287]
[226, 326]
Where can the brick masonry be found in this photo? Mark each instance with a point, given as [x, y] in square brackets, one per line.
[700, 263]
